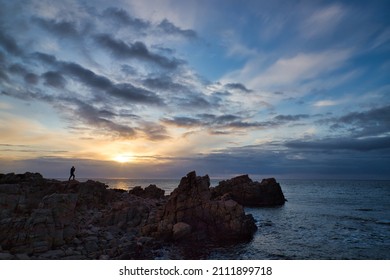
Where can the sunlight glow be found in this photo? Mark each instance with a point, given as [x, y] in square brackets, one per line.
[123, 158]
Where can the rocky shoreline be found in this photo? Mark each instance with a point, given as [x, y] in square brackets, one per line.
[50, 219]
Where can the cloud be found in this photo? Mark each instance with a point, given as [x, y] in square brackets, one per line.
[237, 86]
[28, 77]
[323, 20]
[54, 79]
[97, 119]
[325, 103]
[60, 28]
[191, 101]
[183, 121]
[291, 118]
[137, 50]
[229, 123]
[164, 83]
[8, 43]
[371, 123]
[124, 91]
[330, 144]
[122, 17]
[299, 68]
[171, 29]
[154, 131]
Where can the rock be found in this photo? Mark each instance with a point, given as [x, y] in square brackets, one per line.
[49, 219]
[248, 193]
[53, 255]
[22, 257]
[6, 256]
[211, 220]
[181, 230]
[12, 178]
[152, 191]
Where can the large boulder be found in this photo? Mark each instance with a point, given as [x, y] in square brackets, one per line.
[242, 189]
[191, 212]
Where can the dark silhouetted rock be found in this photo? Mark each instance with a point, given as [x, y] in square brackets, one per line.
[190, 212]
[152, 191]
[50, 219]
[248, 193]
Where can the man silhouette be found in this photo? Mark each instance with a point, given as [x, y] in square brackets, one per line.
[72, 170]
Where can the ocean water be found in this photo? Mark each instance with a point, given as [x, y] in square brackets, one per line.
[322, 220]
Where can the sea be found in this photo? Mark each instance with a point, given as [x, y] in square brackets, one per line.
[322, 220]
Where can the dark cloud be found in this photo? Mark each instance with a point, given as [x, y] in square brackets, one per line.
[3, 75]
[44, 58]
[223, 119]
[291, 118]
[164, 83]
[136, 94]
[54, 79]
[17, 68]
[191, 101]
[220, 123]
[329, 144]
[153, 131]
[121, 17]
[237, 86]
[246, 124]
[137, 50]
[5, 147]
[99, 119]
[9, 44]
[59, 28]
[86, 76]
[128, 69]
[368, 123]
[31, 78]
[169, 28]
[210, 121]
[124, 91]
[20, 70]
[183, 121]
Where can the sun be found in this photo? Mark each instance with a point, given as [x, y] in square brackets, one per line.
[123, 158]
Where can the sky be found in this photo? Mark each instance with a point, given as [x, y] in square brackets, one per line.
[156, 89]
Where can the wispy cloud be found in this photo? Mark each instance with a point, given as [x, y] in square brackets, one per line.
[325, 103]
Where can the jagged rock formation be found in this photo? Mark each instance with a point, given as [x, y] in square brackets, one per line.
[191, 215]
[253, 194]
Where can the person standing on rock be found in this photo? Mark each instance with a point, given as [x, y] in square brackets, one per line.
[72, 170]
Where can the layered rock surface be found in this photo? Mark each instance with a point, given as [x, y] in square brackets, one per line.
[192, 215]
[49, 219]
[242, 189]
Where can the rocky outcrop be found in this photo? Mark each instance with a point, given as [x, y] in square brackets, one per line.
[191, 215]
[152, 191]
[49, 219]
[253, 194]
